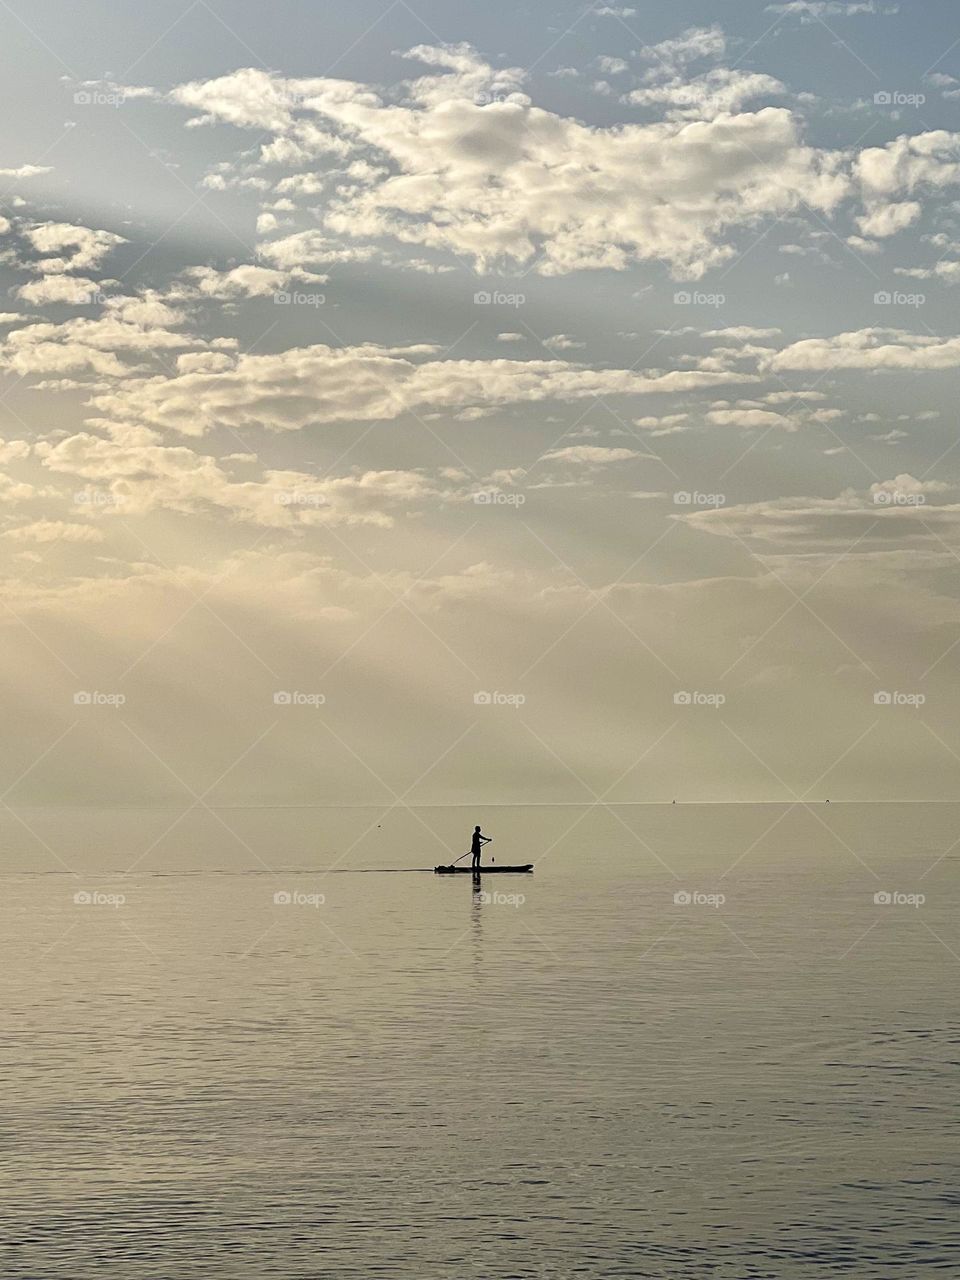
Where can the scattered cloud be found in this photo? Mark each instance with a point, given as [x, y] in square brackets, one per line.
[751, 418]
[869, 349]
[811, 10]
[54, 531]
[306, 386]
[591, 455]
[26, 171]
[78, 291]
[743, 333]
[469, 165]
[721, 91]
[69, 248]
[562, 342]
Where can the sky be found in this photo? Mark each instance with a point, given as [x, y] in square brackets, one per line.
[442, 403]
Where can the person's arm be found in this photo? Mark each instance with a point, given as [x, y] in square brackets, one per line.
[486, 839]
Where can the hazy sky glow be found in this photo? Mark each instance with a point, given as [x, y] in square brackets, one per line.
[414, 403]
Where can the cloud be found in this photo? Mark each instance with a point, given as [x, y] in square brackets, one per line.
[246, 281]
[692, 45]
[54, 531]
[887, 219]
[751, 418]
[908, 484]
[319, 384]
[835, 524]
[467, 164]
[743, 333]
[907, 165]
[868, 349]
[859, 245]
[110, 93]
[204, 362]
[73, 248]
[247, 98]
[78, 291]
[141, 475]
[11, 450]
[947, 270]
[591, 455]
[793, 397]
[810, 10]
[26, 171]
[138, 326]
[721, 91]
[303, 247]
[669, 424]
[562, 342]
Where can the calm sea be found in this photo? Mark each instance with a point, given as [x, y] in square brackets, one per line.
[695, 1043]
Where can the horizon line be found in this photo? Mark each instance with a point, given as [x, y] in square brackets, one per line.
[491, 804]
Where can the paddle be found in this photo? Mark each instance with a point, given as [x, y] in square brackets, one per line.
[467, 855]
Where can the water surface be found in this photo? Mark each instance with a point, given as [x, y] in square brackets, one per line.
[575, 1074]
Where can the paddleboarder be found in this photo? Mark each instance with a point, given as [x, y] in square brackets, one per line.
[479, 840]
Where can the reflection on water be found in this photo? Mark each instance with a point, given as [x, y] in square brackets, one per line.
[636, 1062]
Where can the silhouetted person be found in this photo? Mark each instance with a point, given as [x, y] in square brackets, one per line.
[479, 841]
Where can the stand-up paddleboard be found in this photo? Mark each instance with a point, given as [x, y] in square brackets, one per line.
[485, 871]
